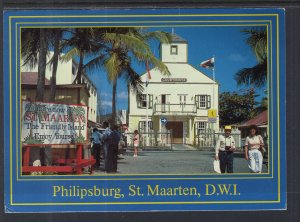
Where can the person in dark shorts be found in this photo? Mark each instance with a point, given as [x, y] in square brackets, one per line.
[96, 140]
[225, 147]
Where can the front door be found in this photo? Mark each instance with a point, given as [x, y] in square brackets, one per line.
[177, 131]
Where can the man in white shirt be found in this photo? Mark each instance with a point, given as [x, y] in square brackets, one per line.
[224, 151]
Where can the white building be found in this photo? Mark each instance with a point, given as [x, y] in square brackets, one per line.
[66, 74]
[183, 98]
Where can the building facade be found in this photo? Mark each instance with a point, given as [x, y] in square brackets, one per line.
[65, 75]
[179, 102]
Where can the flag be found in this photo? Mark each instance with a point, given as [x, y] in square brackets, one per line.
[208, 64]
[148, 75]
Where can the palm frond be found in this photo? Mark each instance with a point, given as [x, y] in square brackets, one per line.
[96, 63]
[257, 40]
[70, 55]
[134, 80]
[112, 66]
[29, 46]
[132, 43]
[159, 65]
[162, 37]
[256, 75]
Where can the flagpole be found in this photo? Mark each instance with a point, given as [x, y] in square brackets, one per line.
[147, 83]
[214, 68]
[213, 100]
[147, 112]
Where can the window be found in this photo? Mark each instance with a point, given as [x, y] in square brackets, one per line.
[203, 101]
[142, 101]
[182, 99]
[201, 126]
[142, 126]
[174, 50]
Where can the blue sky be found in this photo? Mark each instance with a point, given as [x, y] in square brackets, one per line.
[227, 44]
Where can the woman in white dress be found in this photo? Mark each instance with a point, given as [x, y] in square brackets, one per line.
[253, 145]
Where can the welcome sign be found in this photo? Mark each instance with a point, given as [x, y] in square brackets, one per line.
[52, 123]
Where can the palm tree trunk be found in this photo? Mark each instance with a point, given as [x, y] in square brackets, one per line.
[55, 63]
[79, 72]
[41, 66]
[114, 92]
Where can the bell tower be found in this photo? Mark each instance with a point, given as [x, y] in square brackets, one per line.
[176, 51]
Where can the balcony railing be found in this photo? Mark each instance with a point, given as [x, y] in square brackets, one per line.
[174, 109]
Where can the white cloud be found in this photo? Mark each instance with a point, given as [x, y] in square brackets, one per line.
[237, 57]
[106, 103]
[122, 95]
[106, 95]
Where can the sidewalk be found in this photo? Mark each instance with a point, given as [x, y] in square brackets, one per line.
[172, 162]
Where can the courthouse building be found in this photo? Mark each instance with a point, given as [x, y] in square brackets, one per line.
[66, 88]
[179, 102]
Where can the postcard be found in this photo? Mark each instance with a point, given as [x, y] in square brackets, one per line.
[134, 110]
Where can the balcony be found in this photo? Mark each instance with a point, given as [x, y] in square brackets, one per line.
[174, 109]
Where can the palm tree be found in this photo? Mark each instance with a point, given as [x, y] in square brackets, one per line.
[81, 43]
[123, 45]
[57, 35]
[34, 51]
[256, 75]
[35, 47]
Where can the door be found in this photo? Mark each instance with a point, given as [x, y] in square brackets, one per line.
[177, 131]
[163, 103]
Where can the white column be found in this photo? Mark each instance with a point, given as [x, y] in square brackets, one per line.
[147, 138]
[190, 130]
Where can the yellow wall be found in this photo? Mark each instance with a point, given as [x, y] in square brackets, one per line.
[134, 123]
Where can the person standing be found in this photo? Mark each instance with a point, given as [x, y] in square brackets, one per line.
[96, 140]
[254, 145]
[136, 141]
[106, 141]
[225, 147]
[112, 155]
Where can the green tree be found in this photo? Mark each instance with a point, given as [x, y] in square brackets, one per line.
[256, 75]
[262, 106]
[236, 108]
[122, 46]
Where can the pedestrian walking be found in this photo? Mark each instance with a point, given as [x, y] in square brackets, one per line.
[96, 139]
[106, 140]
[225, 147]
[254, 146]
[136, 141]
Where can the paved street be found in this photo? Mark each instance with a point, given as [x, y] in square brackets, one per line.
[182, 159]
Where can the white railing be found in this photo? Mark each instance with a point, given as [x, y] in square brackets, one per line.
[179, 109]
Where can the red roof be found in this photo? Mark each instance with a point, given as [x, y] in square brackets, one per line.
[260, 119]
[30, 78]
